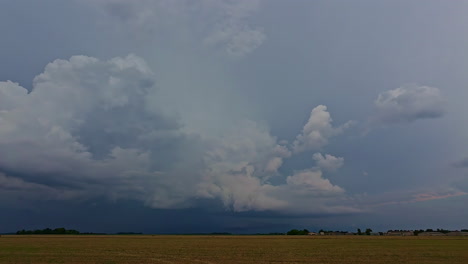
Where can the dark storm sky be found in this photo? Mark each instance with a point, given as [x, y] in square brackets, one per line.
[233, 116]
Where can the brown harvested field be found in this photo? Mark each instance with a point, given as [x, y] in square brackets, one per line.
[232, 249]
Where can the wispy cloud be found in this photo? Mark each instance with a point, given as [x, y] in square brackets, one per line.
[408, 198]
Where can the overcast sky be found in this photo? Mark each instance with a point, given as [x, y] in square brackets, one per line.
[233, 116]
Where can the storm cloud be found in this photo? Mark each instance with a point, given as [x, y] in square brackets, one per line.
[409, 103]
[224, 24]
[461, 163]
[87, 128]
[86, 125]
[233, 115]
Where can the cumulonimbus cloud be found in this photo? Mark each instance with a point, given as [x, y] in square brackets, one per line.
[86, 124]
[220, 24]
[409, 103]
[87, 129]
[238, 37]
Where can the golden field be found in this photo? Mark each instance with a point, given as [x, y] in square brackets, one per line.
[231, 249]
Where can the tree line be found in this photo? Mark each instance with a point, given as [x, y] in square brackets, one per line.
[369, 231]
[296, 232]
[48, 231]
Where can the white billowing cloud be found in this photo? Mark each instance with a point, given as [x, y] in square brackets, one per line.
[274, 164]
[240, 165]
[240, 190]
[307, 191]
[239, 169]
[214, 23]
[409, 103]
[317, 131]
[328, 162]
[86, 125]
[312, 180]
[11, 95]
[88, 130]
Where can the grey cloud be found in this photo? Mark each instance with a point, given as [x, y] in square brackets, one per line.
[87, 130]
[238, 37]
[400, 197]
[328, 162]
[222, 24]
[239, 40]
[239, 166]
[409, 103]
[87, 124]
[11, 95]
[92, 128]
[136, 14]
[313, 180]
[17, 188]
[461, 163]
[239, 169]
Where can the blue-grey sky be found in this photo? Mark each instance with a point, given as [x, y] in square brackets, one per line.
[233, 116]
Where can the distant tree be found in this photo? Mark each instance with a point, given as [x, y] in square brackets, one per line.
[368, 231]
[296, 232]
[72, 232]
[429, 230]
[359, 232]
[443, 230]
[60, 230]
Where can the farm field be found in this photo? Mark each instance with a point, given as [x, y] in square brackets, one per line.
[231, 249]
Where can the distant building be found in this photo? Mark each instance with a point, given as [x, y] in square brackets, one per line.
[337, 233]
[431, 234]
[312, 234]
[457, 233]
[399, 233]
